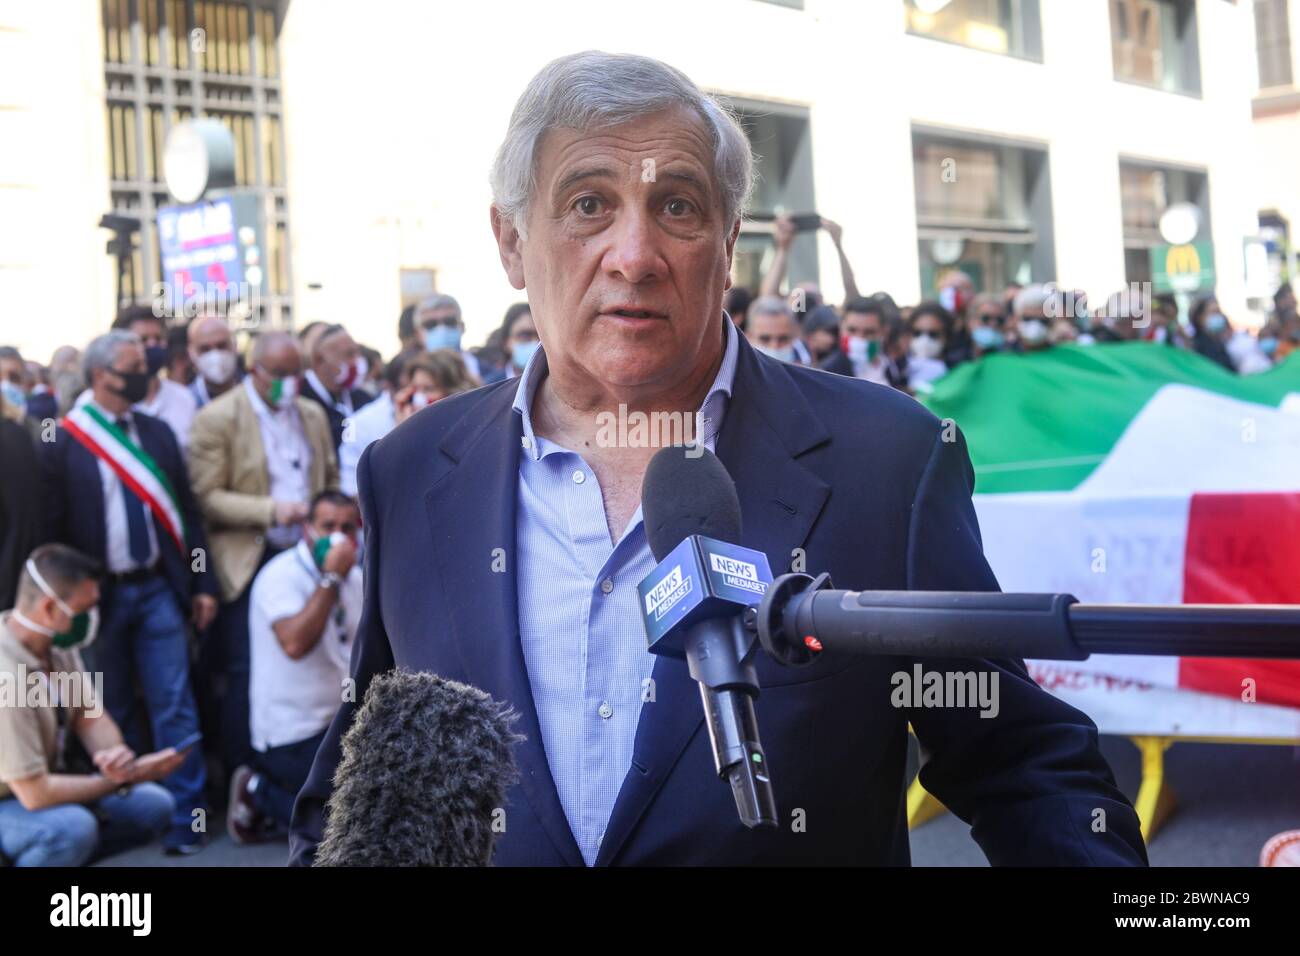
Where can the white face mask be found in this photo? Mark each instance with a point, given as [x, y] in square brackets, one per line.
[216, 366]
[926, 346]
[1033, 331]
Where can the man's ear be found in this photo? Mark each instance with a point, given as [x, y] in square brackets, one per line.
[731, 248]
[509, 245]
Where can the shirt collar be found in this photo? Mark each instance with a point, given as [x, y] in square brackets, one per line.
[259, 404]
[711, 410]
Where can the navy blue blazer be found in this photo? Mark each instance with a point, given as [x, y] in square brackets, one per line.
[359, 397]
[859, 477]
[74, 504]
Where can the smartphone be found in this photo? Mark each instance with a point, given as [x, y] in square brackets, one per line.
[188, 742]
[806, 221]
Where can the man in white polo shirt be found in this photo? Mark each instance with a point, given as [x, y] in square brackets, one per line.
[303, 614]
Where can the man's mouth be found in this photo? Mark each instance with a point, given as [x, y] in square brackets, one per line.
[635, 313]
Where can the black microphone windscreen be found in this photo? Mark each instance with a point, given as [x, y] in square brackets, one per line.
[687, 490]
[422, 776]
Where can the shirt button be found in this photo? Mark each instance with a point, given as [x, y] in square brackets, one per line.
[606, 586]
[605, 710]
[579, 477]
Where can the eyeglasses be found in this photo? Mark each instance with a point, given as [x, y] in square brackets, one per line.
[450, 322]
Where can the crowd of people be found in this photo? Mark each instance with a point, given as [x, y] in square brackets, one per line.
[178, 515]
[910, 346]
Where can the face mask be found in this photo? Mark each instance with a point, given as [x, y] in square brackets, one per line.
[784, 355]
[926, 346]
[986, 337]
[860, 349]
[216, 366]
[352, 372]
[522, 352]
[1033, 331]
[14, 395]
[442, 337]
[419, 400]
[1268, 346]
[136, 385]
[283, 390]
[1216, 323]
[156, 357]
[85, 626]
[953, 299]
[322, 545]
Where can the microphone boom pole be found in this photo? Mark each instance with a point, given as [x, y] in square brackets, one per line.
[800, 616]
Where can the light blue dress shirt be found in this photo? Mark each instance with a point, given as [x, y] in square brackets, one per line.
[579, 615]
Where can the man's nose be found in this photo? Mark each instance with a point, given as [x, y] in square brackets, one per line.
[634, 253]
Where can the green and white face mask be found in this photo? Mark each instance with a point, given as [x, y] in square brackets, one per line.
[284, 389]
[85, 626]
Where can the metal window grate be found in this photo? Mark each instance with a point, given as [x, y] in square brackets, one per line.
[166, 61]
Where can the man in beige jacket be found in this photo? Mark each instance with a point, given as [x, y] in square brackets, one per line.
[258, 454]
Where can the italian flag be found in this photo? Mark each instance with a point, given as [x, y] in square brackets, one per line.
[1141, 473]
[132, 465]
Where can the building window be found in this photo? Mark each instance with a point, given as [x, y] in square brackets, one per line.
[1273, 43]
[1146, 190]
[417, 285]
[999, 26]
[783, 183]
[1154, 42]
[984, 207]
[167, 61]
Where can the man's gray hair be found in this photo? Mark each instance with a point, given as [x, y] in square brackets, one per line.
[439, 301]
[1030, 297]
[101, 352]
[592, 90]
[268, 340]
[769, 305]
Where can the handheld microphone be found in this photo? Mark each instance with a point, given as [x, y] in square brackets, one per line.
[422, 776]
[693, 605]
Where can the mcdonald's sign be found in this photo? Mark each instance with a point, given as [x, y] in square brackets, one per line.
[1185, 268]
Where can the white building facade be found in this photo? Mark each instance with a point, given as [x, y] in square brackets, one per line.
[1018, 139]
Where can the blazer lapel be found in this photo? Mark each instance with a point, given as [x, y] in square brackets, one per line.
[471, 510]
[768, 424]
[248, 434]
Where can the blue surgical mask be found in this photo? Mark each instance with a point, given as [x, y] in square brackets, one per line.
[14, 395]
[784, 355]
[442, 337]
[522, 352]
[986, 337]
[1215, 323]
[1268, 345]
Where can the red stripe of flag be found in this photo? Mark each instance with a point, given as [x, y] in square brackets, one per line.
[1243, 549]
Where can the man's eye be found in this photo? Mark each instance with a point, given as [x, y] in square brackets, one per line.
[587, 205]
[679, 207]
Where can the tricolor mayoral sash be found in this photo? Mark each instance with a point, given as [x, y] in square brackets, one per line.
[138, 472]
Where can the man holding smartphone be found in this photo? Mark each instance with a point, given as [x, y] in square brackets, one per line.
[49, 817]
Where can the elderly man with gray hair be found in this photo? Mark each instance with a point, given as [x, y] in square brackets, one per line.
[116, 489]
[258, 454]
[505, 538]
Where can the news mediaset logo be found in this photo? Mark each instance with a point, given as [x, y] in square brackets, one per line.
[666, 595]
[738, 574]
